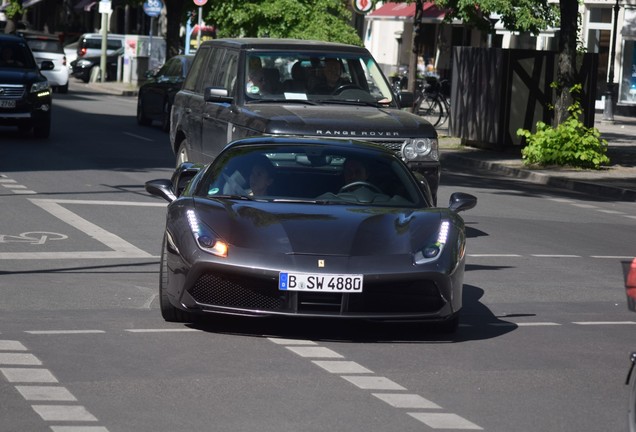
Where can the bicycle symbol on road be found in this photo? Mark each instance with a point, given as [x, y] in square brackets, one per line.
[32, 237]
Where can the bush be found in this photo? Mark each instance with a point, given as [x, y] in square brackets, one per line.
[569, 144]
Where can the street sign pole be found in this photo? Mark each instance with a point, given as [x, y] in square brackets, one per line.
[104, 9]
[200, 27]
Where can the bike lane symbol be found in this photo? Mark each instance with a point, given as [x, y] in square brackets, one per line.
[32, 237]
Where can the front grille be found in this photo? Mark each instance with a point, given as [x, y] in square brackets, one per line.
[252, 294]
[411, 297]
[11, 91]
[392, 145]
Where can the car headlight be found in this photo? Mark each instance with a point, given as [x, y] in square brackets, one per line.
[42, 86]
[434, 250]
[205, 237]
[421, 149]
[84, 63]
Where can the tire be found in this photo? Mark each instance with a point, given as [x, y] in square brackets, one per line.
[141, 116]
[430, 109]
[182, 153]
[63, 89]
[43, 129]
[168, 311]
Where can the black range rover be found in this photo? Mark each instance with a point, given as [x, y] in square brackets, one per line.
[25, 94]
[243, 87]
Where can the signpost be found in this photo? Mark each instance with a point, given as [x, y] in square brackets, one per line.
[152, 8]
[105, 9]
[200, 3]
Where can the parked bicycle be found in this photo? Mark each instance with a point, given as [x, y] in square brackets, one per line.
[433, 101]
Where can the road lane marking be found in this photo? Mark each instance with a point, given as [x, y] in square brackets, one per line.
[30, 375]
[46, 393]
[167, 330]
[22, 359]
[11, 345]
[78, 429]
[281, 341]
[406, 400]
[318, 352]
[372, 382]
[444, 421]
[341, 366]
[44, 332]
[137, 136]
[63, 413]
[120, 247]
[604, 322]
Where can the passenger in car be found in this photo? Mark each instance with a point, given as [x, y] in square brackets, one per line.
[354, 170]
[261, 176]
[332, 77]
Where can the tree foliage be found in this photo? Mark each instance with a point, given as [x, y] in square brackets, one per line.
[327, 20]
[516, 15]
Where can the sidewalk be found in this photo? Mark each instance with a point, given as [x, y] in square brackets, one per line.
[618, 181]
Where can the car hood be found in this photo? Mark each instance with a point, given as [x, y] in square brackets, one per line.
[320, 229]
[19, 76]
[343, 120]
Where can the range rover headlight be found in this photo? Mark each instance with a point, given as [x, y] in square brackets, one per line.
[206, 239]
[42, 86]
[434, 250]
[421, 149]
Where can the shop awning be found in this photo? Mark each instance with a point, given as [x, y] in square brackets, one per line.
[403, 11]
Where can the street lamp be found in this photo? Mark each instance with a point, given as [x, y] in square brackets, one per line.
[608, 108]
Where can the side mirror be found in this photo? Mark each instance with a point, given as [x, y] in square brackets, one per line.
[161, 188]
[406, 99]
[460, 201]
[47, 65]
[216, 94]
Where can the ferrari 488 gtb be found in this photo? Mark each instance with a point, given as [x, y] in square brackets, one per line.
[312, 228]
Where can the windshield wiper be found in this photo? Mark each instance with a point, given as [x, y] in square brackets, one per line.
[285, 101]
[349, 102]
[230, 196]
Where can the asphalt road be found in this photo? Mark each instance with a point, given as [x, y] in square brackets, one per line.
[543, 343]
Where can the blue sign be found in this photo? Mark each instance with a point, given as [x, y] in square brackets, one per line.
[152, 8]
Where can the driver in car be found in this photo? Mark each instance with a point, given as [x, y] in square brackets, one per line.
[332, 73]
[354, 170]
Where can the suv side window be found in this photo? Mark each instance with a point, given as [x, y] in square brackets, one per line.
[195, 70]
[228, 71]
[211, 69]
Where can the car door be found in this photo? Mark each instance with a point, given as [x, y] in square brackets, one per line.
[157, 88]
[189, 104]
[216, 118]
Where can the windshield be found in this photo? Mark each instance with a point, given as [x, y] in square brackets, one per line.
[315, 77]
[316, 174]
[16, 55]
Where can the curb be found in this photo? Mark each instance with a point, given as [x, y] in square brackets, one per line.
[450, 159]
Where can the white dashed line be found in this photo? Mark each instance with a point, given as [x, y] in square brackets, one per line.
[317, 352]
[604, 322]
[53, 332]
[341, 366]
[46, 393]
[406, 400]
[372, 382]
[78, 429]
[63, 413]
[444, 421]
[280, 341]
[11, 345]
[22, 359]
[169, 330]
[28, 375]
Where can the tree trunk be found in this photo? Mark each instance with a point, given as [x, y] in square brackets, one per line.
[174, 12]
[566, 63]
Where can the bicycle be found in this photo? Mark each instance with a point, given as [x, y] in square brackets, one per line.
[433, 103]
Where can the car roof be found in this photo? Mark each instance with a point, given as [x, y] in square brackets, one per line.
[294, 140]
[273, 43]
[10, 38]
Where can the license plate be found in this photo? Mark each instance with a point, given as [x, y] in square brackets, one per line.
[7, 104]
[316, 282]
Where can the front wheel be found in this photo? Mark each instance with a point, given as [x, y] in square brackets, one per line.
[430, 109]
[182, 153]
[168, 311]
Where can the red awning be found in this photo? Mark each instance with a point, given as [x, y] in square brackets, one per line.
[407, 10]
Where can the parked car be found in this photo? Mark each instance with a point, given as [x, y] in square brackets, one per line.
[90, 44]
[285, 227]
[242, 87]
[156, 94]
[46, 46]
[25, 94]
[82, 67]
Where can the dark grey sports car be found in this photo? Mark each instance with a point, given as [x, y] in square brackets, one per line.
[312, 228]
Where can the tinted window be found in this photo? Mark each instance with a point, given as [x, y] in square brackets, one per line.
[45, 45]
[16, 55]
[196, 69]
[226, 76]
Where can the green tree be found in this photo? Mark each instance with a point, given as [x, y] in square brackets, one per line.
[327, 20]
[13, 12]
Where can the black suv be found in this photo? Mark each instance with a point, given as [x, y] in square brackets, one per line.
[242, 87]
[25, 94]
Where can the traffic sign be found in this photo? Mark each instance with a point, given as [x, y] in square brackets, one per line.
[200, 2]
[152, 8]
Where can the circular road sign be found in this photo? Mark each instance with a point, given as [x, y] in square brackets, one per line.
[153, 8]
[200, 2]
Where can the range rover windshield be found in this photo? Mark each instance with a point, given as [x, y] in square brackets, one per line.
[315, 78]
